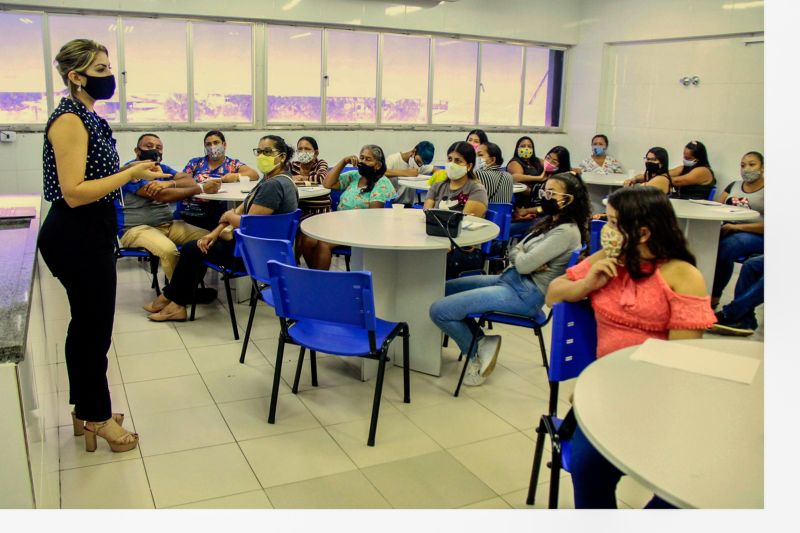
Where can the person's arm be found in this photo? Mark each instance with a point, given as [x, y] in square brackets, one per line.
[400, 173]
[563, 289]
[749, 227]
[684, 279]
[180, 189]
[553, 244]
[696, 176]
[516, 171]
[475, 208]
[661, 183]
[332, 177]
[206, 241]
[70, 142]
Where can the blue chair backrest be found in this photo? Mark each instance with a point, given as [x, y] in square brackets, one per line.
[504, 216]
[283, 227]
[336, 195]
[120, 218]
[594, 237]
[573, 344]
[576, 254]
[337, 297]
[712, 193]
[257, 252]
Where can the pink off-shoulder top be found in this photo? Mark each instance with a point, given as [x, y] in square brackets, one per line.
[629, 311]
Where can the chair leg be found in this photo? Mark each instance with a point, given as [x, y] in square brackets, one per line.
[276, 381]
[537, 463]
[253, 304]
[230, 307]
[194, 302]
[446, 341]
[555, 473]
[154, 272]
[347, 262]
[314, 382]
[406, 364]
[299, 371]
[542, 348]
[466, 362]
[376, 402]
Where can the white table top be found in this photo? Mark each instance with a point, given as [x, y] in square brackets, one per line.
[422, 185]
[389, 229]
[695, 440]
[698, 210]
[598, 178]
[237, 192]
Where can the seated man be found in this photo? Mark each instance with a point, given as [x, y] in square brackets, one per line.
[147, 212]
[738, 318]
[410, 163]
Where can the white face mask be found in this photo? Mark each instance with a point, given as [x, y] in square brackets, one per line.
[412, 162]
[480, 164]
[304, 156]
[455, 171]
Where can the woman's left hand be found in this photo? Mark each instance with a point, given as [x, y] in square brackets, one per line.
[230, 177]
[728, 228]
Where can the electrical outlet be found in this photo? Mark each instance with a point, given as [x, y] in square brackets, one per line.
[8, 136]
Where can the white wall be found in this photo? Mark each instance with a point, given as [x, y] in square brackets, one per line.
[600, 79]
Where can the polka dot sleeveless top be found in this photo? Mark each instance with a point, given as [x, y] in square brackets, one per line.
[102, 158]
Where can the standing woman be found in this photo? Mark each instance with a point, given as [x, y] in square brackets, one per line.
[82, 180]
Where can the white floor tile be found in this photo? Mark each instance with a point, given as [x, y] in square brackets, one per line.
[335, 405]
[348, 490]
[167, 394]
[241, 382]
[224, 356]
[247, 419]
[118, 485]
[208, 333]
[159, 365]
[255, 499]
[183, 429]
[503, 463]
[137, 342]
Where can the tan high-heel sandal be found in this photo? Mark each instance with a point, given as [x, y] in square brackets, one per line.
[77, 423]
[122, 444]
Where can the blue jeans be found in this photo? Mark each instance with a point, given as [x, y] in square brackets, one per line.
[732, 247]
[749, 292]
[509, 292]
[594, 479]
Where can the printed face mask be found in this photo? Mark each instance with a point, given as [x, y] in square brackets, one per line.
[304, 156]
[215, 151]
[749, 176]
[525, 153]
[611, 241]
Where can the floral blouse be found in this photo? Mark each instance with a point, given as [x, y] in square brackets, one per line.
[610, 166]
[353, 198]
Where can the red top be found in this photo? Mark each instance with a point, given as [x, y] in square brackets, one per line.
[629, 311]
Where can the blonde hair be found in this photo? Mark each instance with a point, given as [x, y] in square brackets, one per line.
[77, 55]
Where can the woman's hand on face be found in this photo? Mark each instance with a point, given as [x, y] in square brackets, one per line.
[351, 160]
[146, 170]
[600, 274]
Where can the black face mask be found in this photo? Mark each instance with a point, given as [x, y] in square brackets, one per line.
[652, 168]
[549, 207]
[100, 87]
[367, 171]
[152, 155]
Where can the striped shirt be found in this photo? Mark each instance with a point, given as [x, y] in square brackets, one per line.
[319, 170]
[499, 184]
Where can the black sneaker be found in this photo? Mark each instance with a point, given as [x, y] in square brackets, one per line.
[206, 295]
[726, 326]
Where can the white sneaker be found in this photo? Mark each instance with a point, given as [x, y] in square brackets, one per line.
[488, 349]
[473, 376]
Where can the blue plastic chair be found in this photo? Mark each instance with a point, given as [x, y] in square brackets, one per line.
[140, 253]
[282, 227]
[594, 238]
[712, 194]
[255, 253]
[573, 347]
[332, 312]
[536, 323]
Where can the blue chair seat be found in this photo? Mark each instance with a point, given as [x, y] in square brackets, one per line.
[339, 339]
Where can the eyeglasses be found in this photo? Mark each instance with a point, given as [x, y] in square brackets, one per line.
[547, 194]
[265, 151]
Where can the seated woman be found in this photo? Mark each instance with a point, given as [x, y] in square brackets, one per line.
[214, 165]
[536, 260]
[740, 239]
[308, 167]
[656, 171]
[274, 194]
[643, 284]
[461, 191]
[365, 188]
[525, 167]
[600, 162]
[695, 179]
[498, 183]
[476, 138]
[556, 161]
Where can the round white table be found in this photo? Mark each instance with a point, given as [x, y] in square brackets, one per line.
[696, 441]
[237, 192]
[422, 185]
[700, 221]
[407, 265]
[601, 185]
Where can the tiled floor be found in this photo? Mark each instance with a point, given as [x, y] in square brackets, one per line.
[205, 442]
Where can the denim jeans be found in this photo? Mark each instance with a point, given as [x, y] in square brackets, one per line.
[732, 247]
[509, 292]
[594, 479]
[749, 292]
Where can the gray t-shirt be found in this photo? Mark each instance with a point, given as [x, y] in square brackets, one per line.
[752, 200]
[455, 199]
[141, 211]
[545, 256]
[277, 193]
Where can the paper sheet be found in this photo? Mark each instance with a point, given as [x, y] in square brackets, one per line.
[698, 360]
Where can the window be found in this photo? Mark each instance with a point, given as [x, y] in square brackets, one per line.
[23, 97]
[501, 84]
[223, 72]
[294, 63]
[352, 66]
[64, 28]
[404, 81]
[155, 82]
[454, 80]
[541, 105]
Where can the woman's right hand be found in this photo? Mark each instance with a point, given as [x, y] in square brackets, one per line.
[205, 242]
[351, 160]
[146, 170]
[601, 273]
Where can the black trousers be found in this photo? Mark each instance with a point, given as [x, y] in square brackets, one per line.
[191, 269]
[77, 244]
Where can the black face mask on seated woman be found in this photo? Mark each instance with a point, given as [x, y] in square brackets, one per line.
[367, 171]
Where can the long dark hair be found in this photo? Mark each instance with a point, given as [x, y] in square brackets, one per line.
[310, 140]
[564, 163]
[648, 207]
[377, 153]
[482, 137]
[467, 152]
[698, 150]
[281, 147]
[663, 163]
[578, 211]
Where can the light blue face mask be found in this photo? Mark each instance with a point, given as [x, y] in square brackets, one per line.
[689, 163]
[599, 150]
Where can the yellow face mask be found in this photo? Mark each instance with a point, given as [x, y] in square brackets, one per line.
[266, 163]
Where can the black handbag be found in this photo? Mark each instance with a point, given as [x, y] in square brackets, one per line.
[443, 223]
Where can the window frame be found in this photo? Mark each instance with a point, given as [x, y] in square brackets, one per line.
[260, 74]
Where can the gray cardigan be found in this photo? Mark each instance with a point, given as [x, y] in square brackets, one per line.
[545, 256]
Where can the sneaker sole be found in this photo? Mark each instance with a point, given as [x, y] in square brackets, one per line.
[721, 329]
[490, 368]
